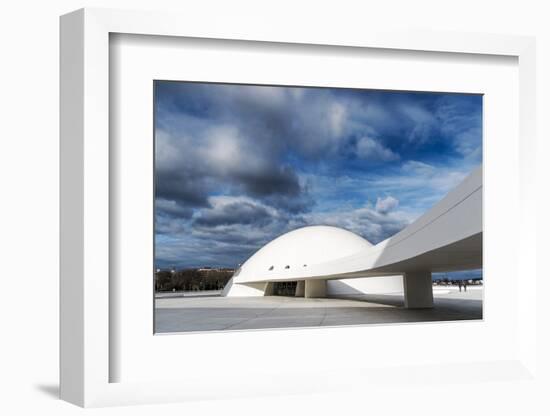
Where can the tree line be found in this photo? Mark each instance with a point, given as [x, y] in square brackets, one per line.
[192, 279]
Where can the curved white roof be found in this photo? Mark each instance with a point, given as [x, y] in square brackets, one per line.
[299, 249]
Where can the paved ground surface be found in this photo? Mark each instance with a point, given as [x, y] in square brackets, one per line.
[215, 313]
[189, 294]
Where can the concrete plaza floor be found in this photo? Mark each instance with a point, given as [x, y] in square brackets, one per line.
[215, 313]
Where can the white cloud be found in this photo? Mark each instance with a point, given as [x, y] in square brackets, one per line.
[370, 149]
[467, 143]
[365, 221]
[418, 168]
[224, 149]
[387, 204]
[463, 127]
[423, 121]
[337, 119]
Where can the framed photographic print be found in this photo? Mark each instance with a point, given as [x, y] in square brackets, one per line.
[279, 207]
[332, 202]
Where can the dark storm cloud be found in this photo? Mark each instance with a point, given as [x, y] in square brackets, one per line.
[238, 165]
[273, 180]
[236, 137]
[292, 206]
[193, 164]
[238, 212]
[172, 208]
[311, 121]
[190, 182]
[169, 226]
[183, 187]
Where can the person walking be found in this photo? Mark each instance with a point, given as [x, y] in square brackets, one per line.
[460, 285]
[465, 283]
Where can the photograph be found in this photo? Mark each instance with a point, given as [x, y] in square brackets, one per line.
[303, 207]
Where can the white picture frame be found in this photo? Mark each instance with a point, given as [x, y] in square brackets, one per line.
[85, 307]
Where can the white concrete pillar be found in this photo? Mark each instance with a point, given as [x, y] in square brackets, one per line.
[418, 289]
[300, 288]
[315, 288]
[269, 289]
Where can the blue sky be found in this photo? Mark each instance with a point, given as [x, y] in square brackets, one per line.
[238, 165]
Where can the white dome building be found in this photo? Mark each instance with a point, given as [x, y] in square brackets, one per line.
[323, 260]
[288, 258]
[299, 249]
